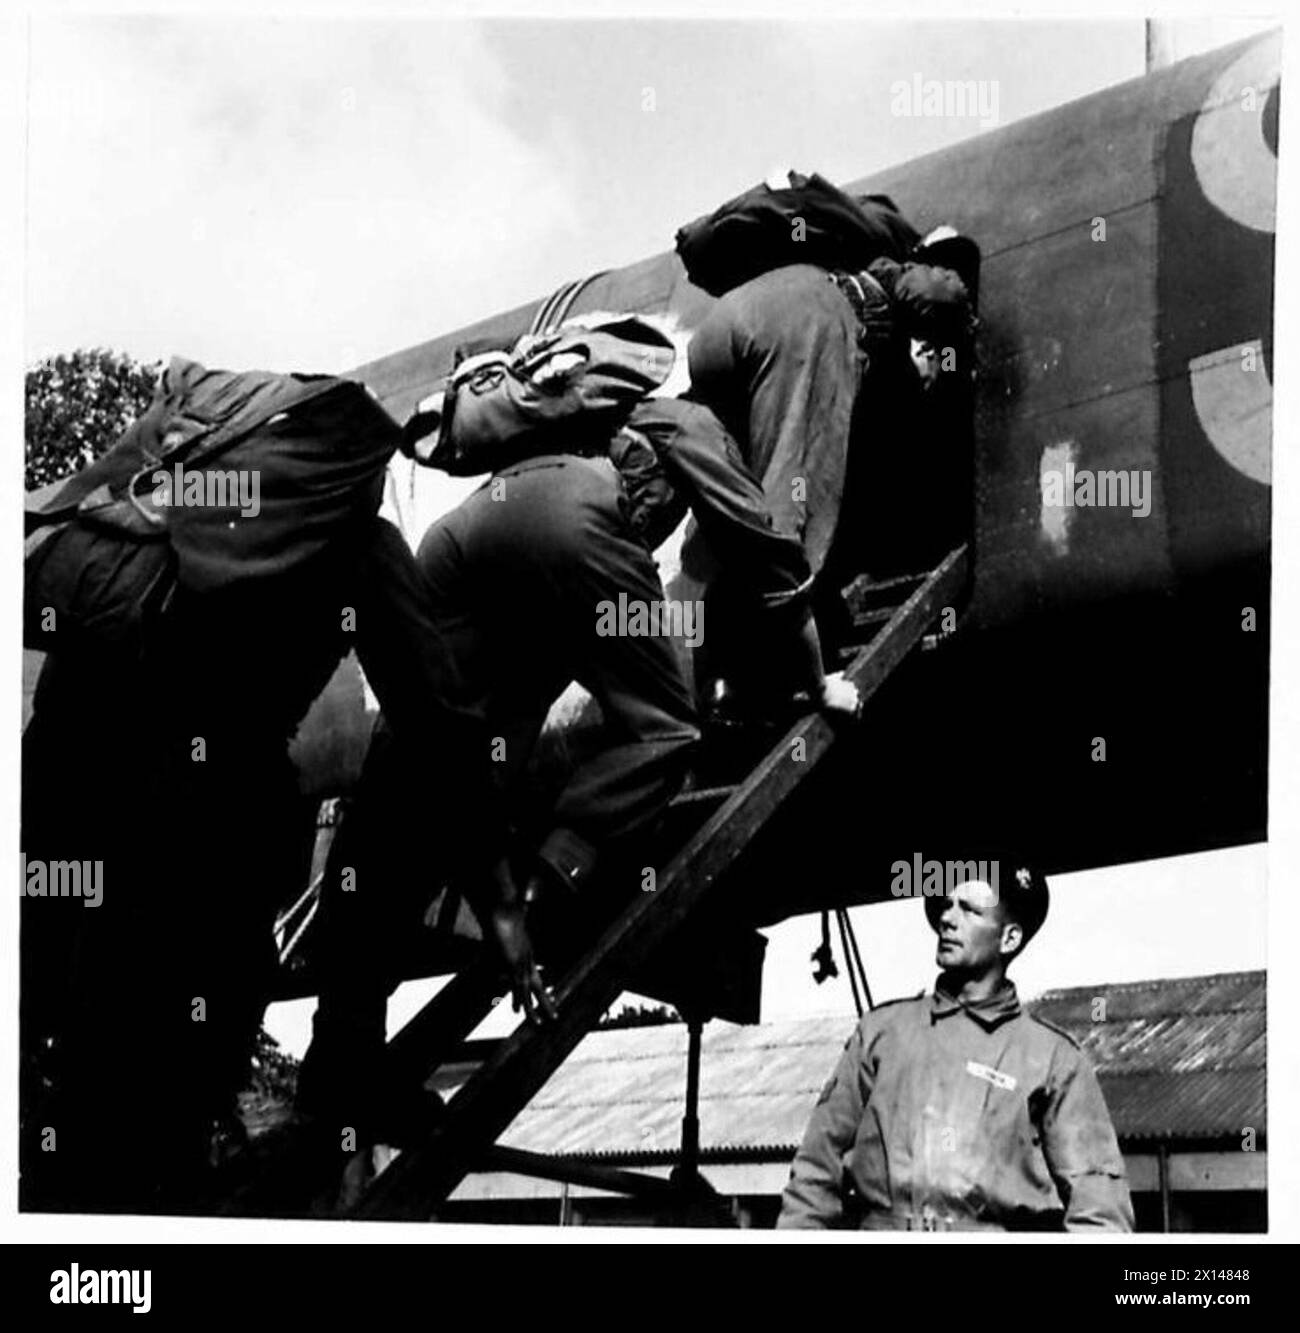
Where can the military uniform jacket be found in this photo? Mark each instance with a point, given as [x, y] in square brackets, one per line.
[942, 1115]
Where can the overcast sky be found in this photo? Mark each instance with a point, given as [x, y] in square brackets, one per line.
[311, 194]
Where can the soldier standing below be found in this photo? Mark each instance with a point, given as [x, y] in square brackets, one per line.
[959, 1110]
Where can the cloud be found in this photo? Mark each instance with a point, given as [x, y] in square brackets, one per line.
[300, 195]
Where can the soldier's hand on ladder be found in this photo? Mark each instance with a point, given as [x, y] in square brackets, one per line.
[529, 992]
[840, 695]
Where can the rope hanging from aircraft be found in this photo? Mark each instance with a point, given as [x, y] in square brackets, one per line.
[824, 959]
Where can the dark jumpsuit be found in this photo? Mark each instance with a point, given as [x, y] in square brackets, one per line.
[518, 574]
[759, 596]
[949, 1116]
[516, 578]
[779, 360]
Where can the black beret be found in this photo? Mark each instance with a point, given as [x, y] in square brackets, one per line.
[1022, 890]
[958, 253]
[934, 304]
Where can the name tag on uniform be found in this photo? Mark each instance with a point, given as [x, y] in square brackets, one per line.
[991, 1075]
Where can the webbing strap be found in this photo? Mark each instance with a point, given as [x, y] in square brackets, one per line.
[555, 309]
[542, 320]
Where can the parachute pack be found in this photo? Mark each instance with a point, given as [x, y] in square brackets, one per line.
[226, 477]
[808, 222]
[559, 391]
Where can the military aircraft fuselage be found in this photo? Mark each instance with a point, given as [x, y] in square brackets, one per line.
[1104, 698]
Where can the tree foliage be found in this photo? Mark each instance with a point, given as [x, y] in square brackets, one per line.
[78, 404]
[639, 1016]
[275, 1073]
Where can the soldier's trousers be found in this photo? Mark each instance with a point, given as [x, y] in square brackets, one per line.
[778, 361]
[169, 764]
[154, 996]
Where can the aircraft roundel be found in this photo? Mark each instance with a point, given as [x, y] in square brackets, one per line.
[1234, 161]
[1234, 164]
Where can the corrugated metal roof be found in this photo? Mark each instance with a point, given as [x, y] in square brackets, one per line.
[1212, 1104]
[621, 1092]
[1181, 1058]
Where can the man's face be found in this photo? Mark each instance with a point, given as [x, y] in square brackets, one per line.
[973, 934]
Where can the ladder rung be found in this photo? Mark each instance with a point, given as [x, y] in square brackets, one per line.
[878, 615]
[864, 592]
[703, 796]
[569, 1171]
[444, 1023]
[459, 1064]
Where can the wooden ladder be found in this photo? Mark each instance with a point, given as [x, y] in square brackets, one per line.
[892, 622]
